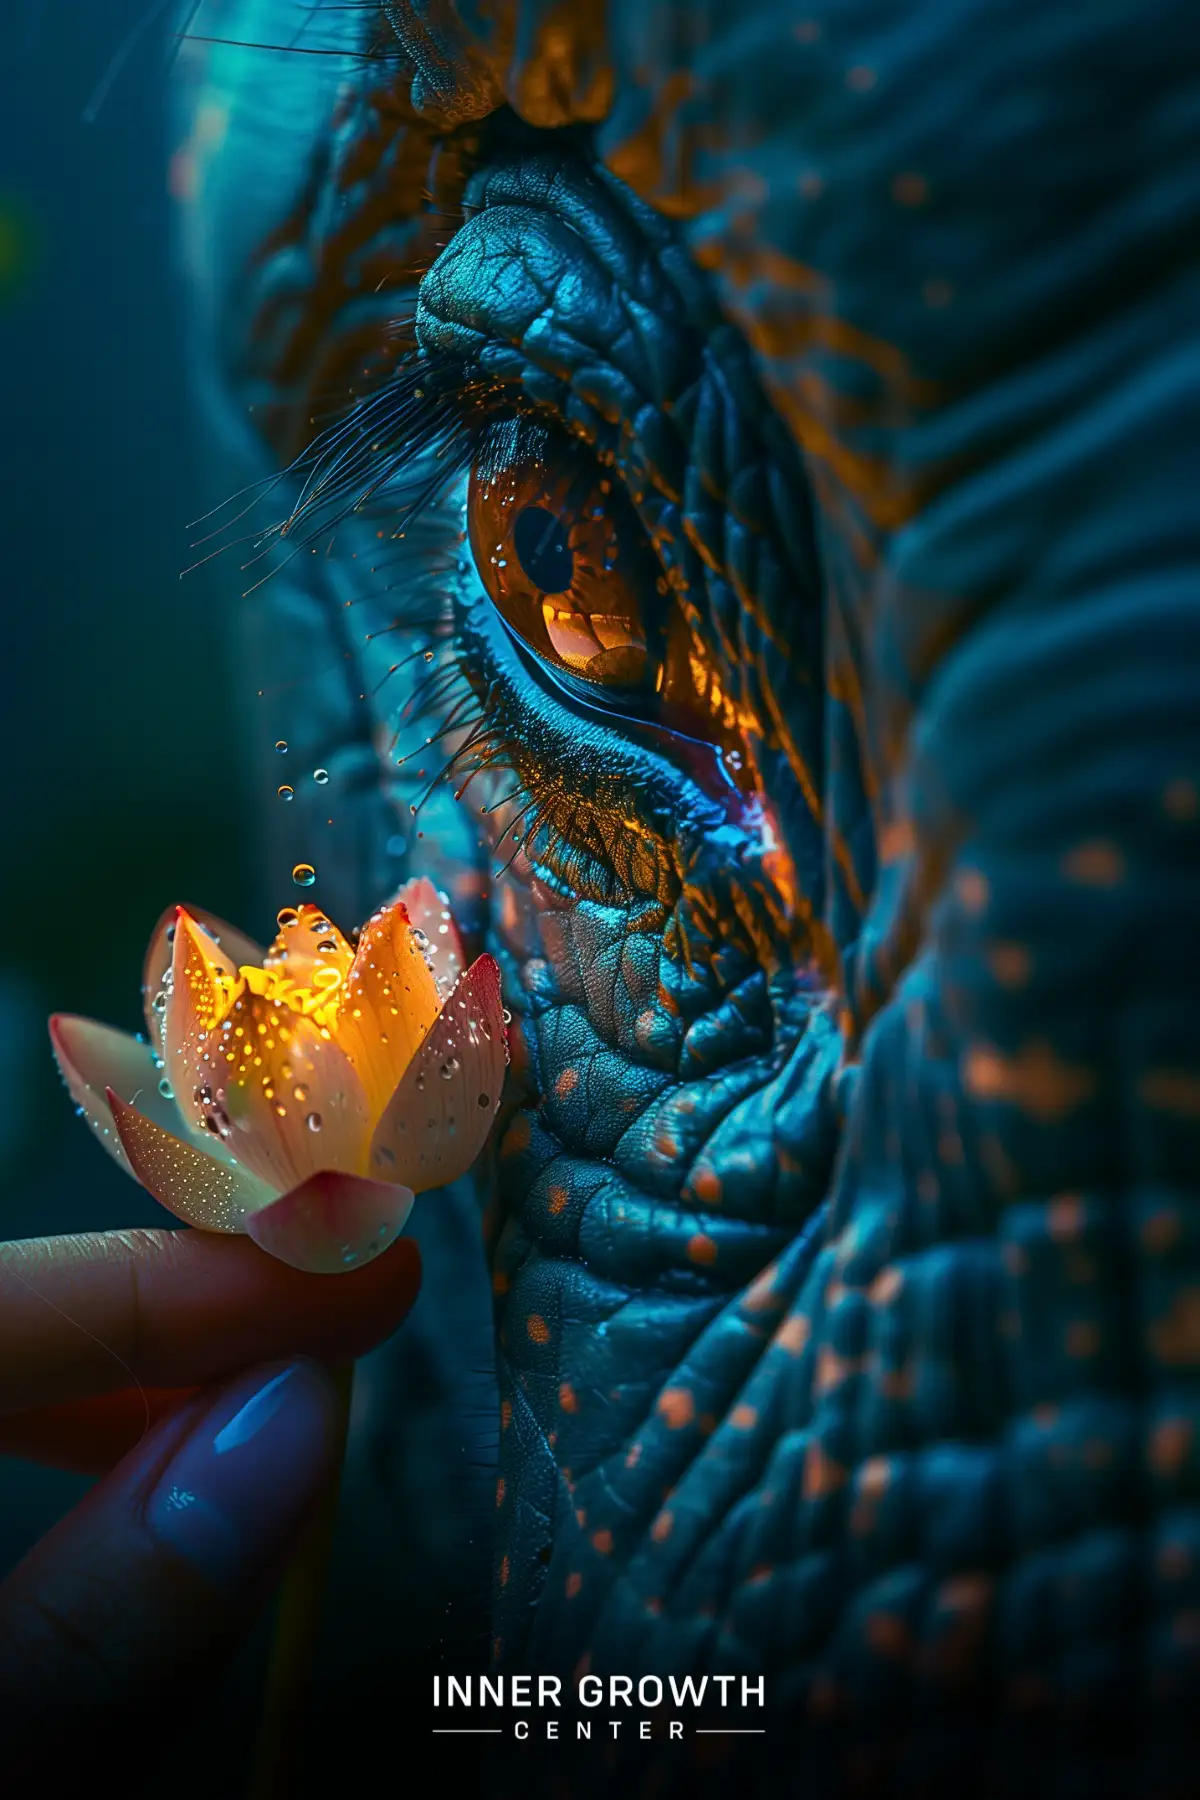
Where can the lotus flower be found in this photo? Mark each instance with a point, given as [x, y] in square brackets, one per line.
[303, 1095]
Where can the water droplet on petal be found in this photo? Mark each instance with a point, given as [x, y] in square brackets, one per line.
[484, 1100]
[287, 915]
[300, 1093]
[159, 1002]
[313, 1121]
[506, 1016]
[449, 1067]
[304, 874]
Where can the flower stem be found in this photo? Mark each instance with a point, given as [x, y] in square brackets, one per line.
[297, 1623]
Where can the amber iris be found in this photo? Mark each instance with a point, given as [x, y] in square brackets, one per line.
[559, 556]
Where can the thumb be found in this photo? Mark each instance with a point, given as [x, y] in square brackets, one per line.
[140, 1594]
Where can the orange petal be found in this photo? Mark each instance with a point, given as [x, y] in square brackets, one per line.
[390, 1002]
[203, 985]
[235, 946]
[331, 1222]
[92, 1057]
[306, 947]
[186, 1180]
[284, 1096]
[438, 1119]
[429, 911]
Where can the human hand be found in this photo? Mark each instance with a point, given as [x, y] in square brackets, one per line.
[132, 1604]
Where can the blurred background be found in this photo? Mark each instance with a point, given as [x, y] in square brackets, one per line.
[121, 731]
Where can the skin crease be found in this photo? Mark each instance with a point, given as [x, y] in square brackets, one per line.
[842, 1226]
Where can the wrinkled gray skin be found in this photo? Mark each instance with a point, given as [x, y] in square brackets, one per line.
[843, 1224]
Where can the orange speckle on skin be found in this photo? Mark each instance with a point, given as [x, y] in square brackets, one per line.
[1064, 1217]
[1176, 1337]
[603, 1541]
[888, 1634]
[660, 1531]
[1181, 800]
[886, 1285]
[573, 1585]
[537, 1328]
[897, 1384]
[707, 1423]
[567, 1398]
[1174, 1091]
[971, 886]
[1010, 964]
[633, 1456]
[744, 1418]
[793, 1334]
[666, 1143]
[910, 189]
[1036, 1080]
[557, 1199]
[822, 1476]
[504, 1571]
[500, 1492]
[706, 1185]
[499, 1281]
[581, 1518]
[517, 1137]
[702, 1249]
[861, 79]
[1098, 863]
[1161, 1231]
[677, 1407]
[1170, 1445]
[505, 1414]
[761, 1295]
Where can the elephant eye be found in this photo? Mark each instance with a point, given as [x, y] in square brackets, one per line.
[564, 559]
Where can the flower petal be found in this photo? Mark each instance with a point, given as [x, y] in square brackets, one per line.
[203, 986]
[438, 1119]
[187, 1181]
[429, 911]
[284, 1092]
[156, 969]
[92, 1057]
[331, 1222]
[390, 1002]
[307, 946]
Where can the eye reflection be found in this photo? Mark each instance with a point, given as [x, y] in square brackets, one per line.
[564, 561]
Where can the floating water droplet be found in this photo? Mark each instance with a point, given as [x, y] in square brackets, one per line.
[313, 1121]
[304, 874]
[484, 1100]
[281, 747]
[320, 776]
[285, 792]
[287, 915]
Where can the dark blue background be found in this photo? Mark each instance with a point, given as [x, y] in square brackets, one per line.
[123, 717]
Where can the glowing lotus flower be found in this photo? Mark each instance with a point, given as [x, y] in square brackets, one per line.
[303, 1095]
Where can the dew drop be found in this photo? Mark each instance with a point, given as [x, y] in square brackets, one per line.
[386, 1154]
[320, 776]
[449, 1068]
[313, 1121]
[285, 792]
[304, 874]
[484, 1100]
[159, 1002]
[281, 747]
[165, 1089]
[429, 656]
[300, 1093]
[287, 915]
[506, 1016]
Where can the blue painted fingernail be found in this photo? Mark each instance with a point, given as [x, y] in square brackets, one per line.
[248, 1471]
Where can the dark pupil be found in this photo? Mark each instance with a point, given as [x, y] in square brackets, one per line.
[542, 549]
